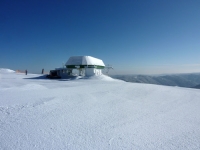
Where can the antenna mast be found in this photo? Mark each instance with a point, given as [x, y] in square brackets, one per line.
[108, 67]
[63, 64]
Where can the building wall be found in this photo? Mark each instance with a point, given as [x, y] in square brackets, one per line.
[92, 72]
[64, 72]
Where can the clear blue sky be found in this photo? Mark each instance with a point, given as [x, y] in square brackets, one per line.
[135, 36]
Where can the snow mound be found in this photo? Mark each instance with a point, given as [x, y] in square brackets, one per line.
[92, 78]
[4, 70]
[102, 77]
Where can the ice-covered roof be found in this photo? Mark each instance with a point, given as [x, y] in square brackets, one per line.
[84, 60]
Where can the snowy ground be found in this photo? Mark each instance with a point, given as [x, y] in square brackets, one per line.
[95, 113]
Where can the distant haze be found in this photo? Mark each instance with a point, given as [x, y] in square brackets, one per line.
[153, 70]
[182, 80]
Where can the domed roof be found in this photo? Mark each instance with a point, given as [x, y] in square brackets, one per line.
[84, 60]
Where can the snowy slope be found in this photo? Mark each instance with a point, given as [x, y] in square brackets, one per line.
[4, 70]
[96, 113]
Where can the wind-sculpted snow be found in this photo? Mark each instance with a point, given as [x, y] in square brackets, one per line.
[96, 113]
[3, 70]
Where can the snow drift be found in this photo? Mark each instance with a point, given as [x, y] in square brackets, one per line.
[3, 70]
[96, 114]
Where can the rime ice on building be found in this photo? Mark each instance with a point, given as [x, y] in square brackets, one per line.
[85, 65]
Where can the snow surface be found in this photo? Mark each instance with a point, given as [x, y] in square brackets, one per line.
[96, 113]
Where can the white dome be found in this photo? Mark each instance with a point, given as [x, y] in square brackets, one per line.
[84, 60]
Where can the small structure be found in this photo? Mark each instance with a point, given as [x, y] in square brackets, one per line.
[85, 65]
[42, 71]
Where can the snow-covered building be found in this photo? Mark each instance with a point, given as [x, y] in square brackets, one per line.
[85, 65]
